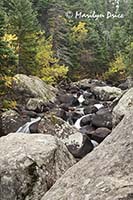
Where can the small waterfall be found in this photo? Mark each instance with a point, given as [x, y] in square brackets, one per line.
[98, 106]
[80, 110]
[77, 123]
[81, 99]
[95, 144]
[26, 127]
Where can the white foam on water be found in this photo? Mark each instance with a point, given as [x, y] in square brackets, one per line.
[85, 92]
[75, 95]
[95, 143]
[98, 106]
[81, 99]
[80, 110]
[77, 123]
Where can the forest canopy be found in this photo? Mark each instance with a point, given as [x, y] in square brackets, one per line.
[56, 39]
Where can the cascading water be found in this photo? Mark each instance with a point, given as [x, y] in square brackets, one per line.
[95, 144]
[98, 106]
[77, 123]
[81, 110]
[26, 127]
[81, 99]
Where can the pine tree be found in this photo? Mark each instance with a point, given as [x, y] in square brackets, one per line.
[7, 58]
[23, 23]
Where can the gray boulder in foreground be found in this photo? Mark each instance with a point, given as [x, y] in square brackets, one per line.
[124, 105]
[30, 165]
[104, 174]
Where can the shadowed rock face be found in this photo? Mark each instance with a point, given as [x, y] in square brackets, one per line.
[1, 130]
[105, 174]
[124, 105]
[30, 165]
[12, 120]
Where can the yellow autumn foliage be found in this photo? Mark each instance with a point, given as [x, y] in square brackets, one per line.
[7, 81]
[117, 69]
[49, 68]
[9, 104]
[53, 74]
[10, 39]
[79, 32]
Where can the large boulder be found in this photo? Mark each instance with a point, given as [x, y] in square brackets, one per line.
[102, 118]
[104, 174]
[30, 165]
[99, 134]
[124, 105]
[77, 143]
[33, 87]
[106, 93]
[12, 120]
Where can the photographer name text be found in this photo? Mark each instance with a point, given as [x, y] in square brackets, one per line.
[93, 15]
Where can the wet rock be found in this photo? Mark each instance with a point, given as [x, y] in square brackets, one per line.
[34, 128]
[107, 93]
[87, 129]
[62, 114]
[104, 174]
[73, 117]
[90, 109]
[99, 134]
[30, 165]
[102, 118]
[69, 100]
[89, 102]
[79, 151]
[86, 120]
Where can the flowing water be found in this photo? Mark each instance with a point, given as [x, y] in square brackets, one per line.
[98, 106]
[77, 123]
[26, 127]
[81, 99]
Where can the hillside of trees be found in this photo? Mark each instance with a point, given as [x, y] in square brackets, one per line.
[58, 39]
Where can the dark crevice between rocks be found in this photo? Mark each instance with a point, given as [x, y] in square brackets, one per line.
[32, 172]
[128, 197]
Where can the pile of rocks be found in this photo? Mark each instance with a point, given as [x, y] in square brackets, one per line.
[79, 114]
[68, 123]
